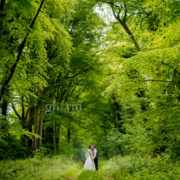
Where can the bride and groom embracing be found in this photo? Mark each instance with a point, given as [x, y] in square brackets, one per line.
[91, 162]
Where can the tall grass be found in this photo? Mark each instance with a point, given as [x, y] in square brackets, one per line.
[56, 167]
[64, 168]
[135, 167]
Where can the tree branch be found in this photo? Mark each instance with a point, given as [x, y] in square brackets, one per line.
[22, 105]
[14, 109]
[20, 50]
[124, 25]
[125, 11]
[158, 80]
[77, 74]
[117, 16]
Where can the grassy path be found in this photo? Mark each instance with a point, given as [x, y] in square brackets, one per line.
[101, 174]
[54, 168]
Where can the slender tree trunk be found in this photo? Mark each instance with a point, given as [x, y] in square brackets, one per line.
[38, 121]
[124, 25]
[23, 119]
[126, 28]
[69, 134]
[29, 120]
[4, 107]
[175, 82]
[54, 136]
[36, 127]
[57, 136]
[41, 123]
[118, 123]
[2, 5]
[5, 84]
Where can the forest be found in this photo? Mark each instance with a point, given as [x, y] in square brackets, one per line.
[75, 73]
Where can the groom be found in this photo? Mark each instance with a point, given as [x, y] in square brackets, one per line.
[95, 157]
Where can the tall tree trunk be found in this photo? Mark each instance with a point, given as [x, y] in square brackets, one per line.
[4, 107]
[54, 136]
[41, 123]
[69, 135]
[36, 127]
[5, 84]
[29, 121]
[38, 124]
[118, 123]
[57, 135]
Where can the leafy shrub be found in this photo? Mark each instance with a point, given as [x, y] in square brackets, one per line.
[40, 152]
[14, 149]
[113, 143]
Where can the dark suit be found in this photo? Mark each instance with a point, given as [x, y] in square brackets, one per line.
[96, 160]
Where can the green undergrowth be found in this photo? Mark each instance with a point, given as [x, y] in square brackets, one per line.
[134, 167]
[64, 168]
[56, 167]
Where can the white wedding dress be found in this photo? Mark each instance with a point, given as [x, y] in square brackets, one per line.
[89, 163]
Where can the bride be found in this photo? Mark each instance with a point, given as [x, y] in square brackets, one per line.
[89, 163]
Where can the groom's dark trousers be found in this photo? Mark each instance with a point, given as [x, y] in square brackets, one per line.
[96, 163]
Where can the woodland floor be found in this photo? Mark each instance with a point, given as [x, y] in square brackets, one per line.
[64, 168]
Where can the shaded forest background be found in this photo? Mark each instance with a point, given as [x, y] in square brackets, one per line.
[80, 72]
